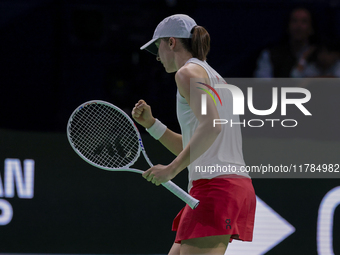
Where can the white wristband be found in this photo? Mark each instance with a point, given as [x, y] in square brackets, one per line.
[157, 129]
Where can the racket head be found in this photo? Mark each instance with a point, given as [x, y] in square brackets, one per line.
[104, 136]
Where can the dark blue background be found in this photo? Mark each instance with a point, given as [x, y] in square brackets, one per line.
[57, 54]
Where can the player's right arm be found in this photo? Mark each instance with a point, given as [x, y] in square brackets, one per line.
[143, 115]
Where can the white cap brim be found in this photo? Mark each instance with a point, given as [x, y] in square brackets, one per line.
[151, 46]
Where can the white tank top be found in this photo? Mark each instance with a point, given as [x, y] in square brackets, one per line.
[225, 154]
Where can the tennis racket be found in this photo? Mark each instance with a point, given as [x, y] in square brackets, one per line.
[106, 137]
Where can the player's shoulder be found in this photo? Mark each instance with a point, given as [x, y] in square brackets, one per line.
[188, 71]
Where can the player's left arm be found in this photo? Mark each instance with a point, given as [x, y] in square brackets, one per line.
[204, 135]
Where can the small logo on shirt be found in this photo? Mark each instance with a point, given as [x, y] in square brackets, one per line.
[204, 101]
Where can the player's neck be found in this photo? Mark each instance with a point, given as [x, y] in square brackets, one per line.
[181, 59]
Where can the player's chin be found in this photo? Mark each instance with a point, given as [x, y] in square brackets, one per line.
[169, 70]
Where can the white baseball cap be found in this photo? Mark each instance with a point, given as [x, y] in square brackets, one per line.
[178, 26]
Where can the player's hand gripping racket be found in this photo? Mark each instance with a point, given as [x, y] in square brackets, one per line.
[106, 137]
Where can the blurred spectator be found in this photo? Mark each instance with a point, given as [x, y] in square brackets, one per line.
[326, 62]
[278, 61]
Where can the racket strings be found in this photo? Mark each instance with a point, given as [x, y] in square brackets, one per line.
[105, 136]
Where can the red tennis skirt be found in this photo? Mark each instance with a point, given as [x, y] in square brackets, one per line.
[227, 207]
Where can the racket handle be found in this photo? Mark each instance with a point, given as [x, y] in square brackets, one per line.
[192, 202]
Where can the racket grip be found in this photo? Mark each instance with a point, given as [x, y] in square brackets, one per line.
[192, 202]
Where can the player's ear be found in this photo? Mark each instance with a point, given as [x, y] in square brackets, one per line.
[172, 42]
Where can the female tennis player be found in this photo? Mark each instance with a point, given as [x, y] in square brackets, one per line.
[212, 153]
